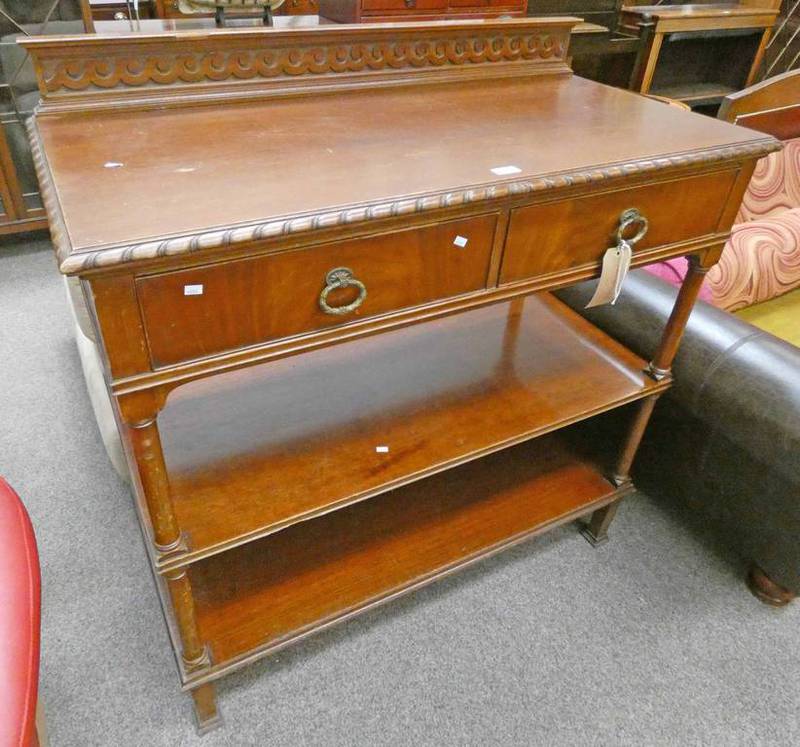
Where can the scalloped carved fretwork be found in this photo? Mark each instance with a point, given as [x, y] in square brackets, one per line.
[261, 62]
[247, 64]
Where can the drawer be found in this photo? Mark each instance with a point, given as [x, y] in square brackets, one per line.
[403, 4]
[201, 311]
[557, 236]
[477, 4]
[571, 7]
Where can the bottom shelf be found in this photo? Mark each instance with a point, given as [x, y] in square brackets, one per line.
[255, 598]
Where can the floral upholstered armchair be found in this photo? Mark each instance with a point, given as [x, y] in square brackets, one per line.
[762, 258]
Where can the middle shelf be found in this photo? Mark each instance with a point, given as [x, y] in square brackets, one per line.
[253, 451]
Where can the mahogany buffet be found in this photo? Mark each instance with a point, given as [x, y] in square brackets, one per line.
[335, 362]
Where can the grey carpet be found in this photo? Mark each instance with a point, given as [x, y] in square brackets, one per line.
[650, 640]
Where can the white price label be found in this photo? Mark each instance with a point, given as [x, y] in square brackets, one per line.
[192, 290]
[506, 170]
[460, 241]
[382, 449]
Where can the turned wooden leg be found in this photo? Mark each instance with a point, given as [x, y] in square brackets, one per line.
[673, 331]
[765, 589]
[146, 445]
[596, 531]
[195, 653]
[205, 708]
[622, 471]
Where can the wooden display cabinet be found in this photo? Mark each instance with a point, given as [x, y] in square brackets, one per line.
[698, 53]
[21, 208]
[335, 363]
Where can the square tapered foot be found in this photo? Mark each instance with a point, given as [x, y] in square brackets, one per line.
[206, 712]
[596, 529]
[591, 538]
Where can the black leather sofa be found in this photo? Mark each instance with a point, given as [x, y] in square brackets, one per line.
[726, 438]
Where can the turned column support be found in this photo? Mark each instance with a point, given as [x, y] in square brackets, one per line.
[622, 471]
[140, 414]
[596, 530]
[195, 653]
[146, 444]
[673, 331]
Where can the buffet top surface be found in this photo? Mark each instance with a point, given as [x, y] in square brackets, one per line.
[131, 175]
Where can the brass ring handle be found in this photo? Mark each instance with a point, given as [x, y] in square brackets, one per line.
[631, 217]
[341, 277]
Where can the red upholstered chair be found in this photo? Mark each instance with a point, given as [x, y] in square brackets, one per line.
[20, 589]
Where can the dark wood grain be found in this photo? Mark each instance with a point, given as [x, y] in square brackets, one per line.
[269, 591]
[265, 298]
[181, 183]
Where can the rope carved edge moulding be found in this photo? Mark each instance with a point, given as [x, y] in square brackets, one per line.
[73, 262]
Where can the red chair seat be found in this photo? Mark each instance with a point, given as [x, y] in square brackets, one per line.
[20, 590]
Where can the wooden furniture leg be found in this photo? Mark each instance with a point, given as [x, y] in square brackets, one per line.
[766, 590]
[146, 444]
[205, 708]
[596, 529]
[647, 59]
[673, 331]
[760, 52]
[86, 14]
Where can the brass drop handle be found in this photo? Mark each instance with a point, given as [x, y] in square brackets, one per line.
[631, 217]
[341, 277]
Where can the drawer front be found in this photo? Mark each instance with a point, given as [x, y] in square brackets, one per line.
[403, 4]
[571, 7]
[201, 311]
[557, 236]
[477, 4]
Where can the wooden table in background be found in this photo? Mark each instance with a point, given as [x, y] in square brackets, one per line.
[710, 59]
[334, 360]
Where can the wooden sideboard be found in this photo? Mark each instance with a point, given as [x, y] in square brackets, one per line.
[334, 361]
[389, 11]
[698, 54]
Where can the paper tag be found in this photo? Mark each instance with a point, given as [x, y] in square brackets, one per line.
[460, 241]
[382, 449]
[616, 262]
[505, 170]
[192, 290]
[113, 165]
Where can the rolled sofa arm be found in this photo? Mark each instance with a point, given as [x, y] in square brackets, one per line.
[740, 380]
[726, 438]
